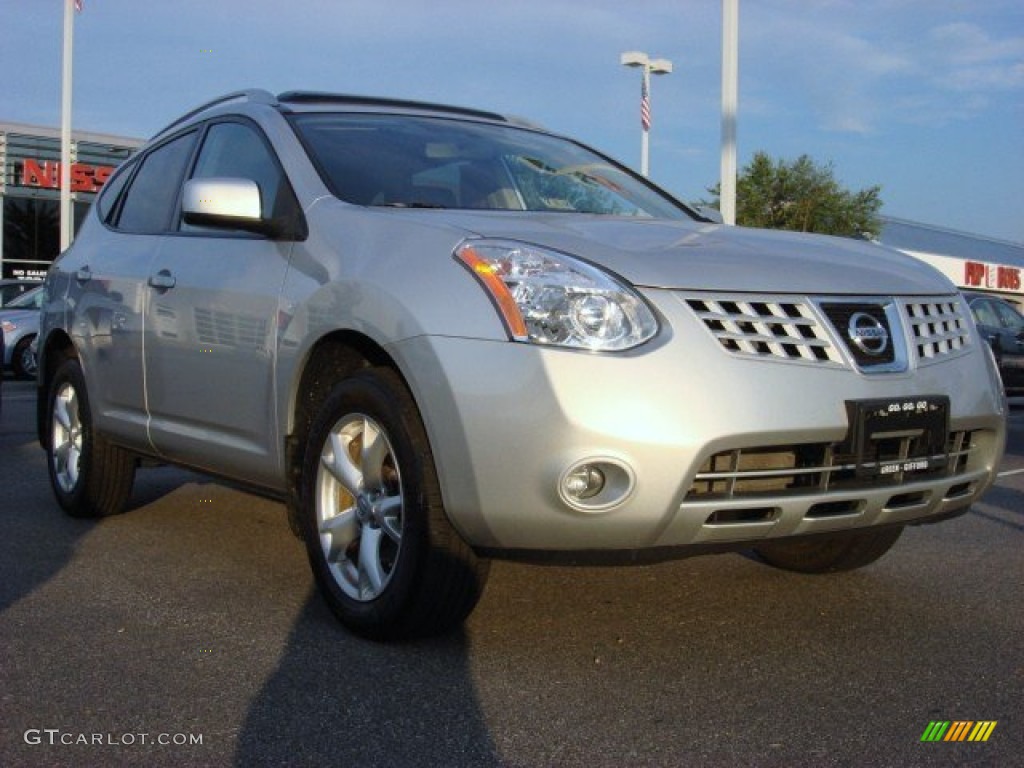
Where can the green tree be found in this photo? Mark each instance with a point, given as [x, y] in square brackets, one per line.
[802, 196]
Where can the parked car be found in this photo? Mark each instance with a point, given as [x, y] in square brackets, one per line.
[1002, 326]
[442, 336]
[20, 322]
[11, 289]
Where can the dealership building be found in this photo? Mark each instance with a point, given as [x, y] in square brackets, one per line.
[30, 211]
[972, 262]
[30, 190]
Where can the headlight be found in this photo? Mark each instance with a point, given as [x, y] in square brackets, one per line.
[8, 326]
[547, 297]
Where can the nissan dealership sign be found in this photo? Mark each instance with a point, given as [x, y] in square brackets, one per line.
[45, 174]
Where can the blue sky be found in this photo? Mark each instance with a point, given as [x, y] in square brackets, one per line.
[922, 97]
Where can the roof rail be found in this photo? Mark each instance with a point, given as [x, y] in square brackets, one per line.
[256, 95]
[319, 97]
[525, 122]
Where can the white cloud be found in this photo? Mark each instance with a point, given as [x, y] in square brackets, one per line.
[965, 58]
[861, 66]
[969, 43]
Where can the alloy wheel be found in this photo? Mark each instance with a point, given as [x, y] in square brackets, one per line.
[359, 506]
[66, 437]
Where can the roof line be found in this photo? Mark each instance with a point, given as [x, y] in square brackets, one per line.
[321, 97]
[950, 231]
[257, 95]
[91, 137]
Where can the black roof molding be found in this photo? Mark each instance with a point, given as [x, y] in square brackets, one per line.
[318, 97]
[256, 95]
[260, 96]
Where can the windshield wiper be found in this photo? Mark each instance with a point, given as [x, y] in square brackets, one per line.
[411, 204]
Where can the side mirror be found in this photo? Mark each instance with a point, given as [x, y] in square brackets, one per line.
[710, 214]
[225, 204]
[236, 204]
[221, 202]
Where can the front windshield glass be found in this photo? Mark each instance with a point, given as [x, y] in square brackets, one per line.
[427, 162]
[30, 299]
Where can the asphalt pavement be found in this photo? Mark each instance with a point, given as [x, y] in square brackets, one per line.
[187, 632]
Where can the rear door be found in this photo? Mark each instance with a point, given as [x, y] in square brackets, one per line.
[108, 288]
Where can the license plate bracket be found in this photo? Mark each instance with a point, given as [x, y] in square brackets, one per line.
[889, 437]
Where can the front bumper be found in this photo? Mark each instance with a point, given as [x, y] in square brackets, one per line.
[507, 420]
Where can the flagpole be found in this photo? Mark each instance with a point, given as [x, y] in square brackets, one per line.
[648, 67]
[645, 127]
[66, 221]
[730, 102]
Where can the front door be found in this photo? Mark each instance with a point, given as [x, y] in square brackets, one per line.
[211, 331]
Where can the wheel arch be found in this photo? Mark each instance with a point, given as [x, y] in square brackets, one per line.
[331, 358]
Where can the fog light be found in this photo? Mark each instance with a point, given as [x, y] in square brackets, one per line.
[584, 482]
[596, 484]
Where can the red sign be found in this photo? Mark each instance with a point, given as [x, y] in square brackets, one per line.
[46, 174]
[978, 275]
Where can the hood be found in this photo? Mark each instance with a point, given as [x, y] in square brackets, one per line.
[696, 256]
[18, 316]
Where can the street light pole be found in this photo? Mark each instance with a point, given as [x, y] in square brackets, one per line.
[648, 67]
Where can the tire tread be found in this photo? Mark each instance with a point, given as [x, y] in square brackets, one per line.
[106, 471]
[448, 579]
[829, 554]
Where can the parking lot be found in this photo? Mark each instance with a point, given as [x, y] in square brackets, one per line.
[188, 632]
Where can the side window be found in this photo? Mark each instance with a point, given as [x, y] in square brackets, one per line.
[1008, 317]
[235, 150]
[984, 313]
[112, 190]
[150, 200]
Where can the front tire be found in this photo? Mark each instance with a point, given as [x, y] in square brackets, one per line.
[23, 362]
[829, 554]
[90, 476]
[384, 555]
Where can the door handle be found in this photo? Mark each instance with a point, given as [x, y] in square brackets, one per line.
[162, 280]
[83, 275]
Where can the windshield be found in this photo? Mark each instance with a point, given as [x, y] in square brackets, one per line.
[31, 299]
[426, 162]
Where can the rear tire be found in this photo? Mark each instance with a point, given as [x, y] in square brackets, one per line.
[90, 476]
[385, 557]
[829, 554]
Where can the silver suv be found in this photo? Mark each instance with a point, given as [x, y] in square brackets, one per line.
[442, 336]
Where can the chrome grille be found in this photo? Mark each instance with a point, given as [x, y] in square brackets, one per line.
[798, 329]
[810, 468]
[765, 327]
[937, 327]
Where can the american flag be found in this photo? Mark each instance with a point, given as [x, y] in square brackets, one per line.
[645, 105]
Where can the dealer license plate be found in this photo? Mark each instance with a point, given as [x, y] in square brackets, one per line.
[894, 436]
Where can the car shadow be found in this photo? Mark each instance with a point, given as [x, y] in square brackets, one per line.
[32, 549]
[36, 538]
[328, 697]
[335, 698]
[1001, 505]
